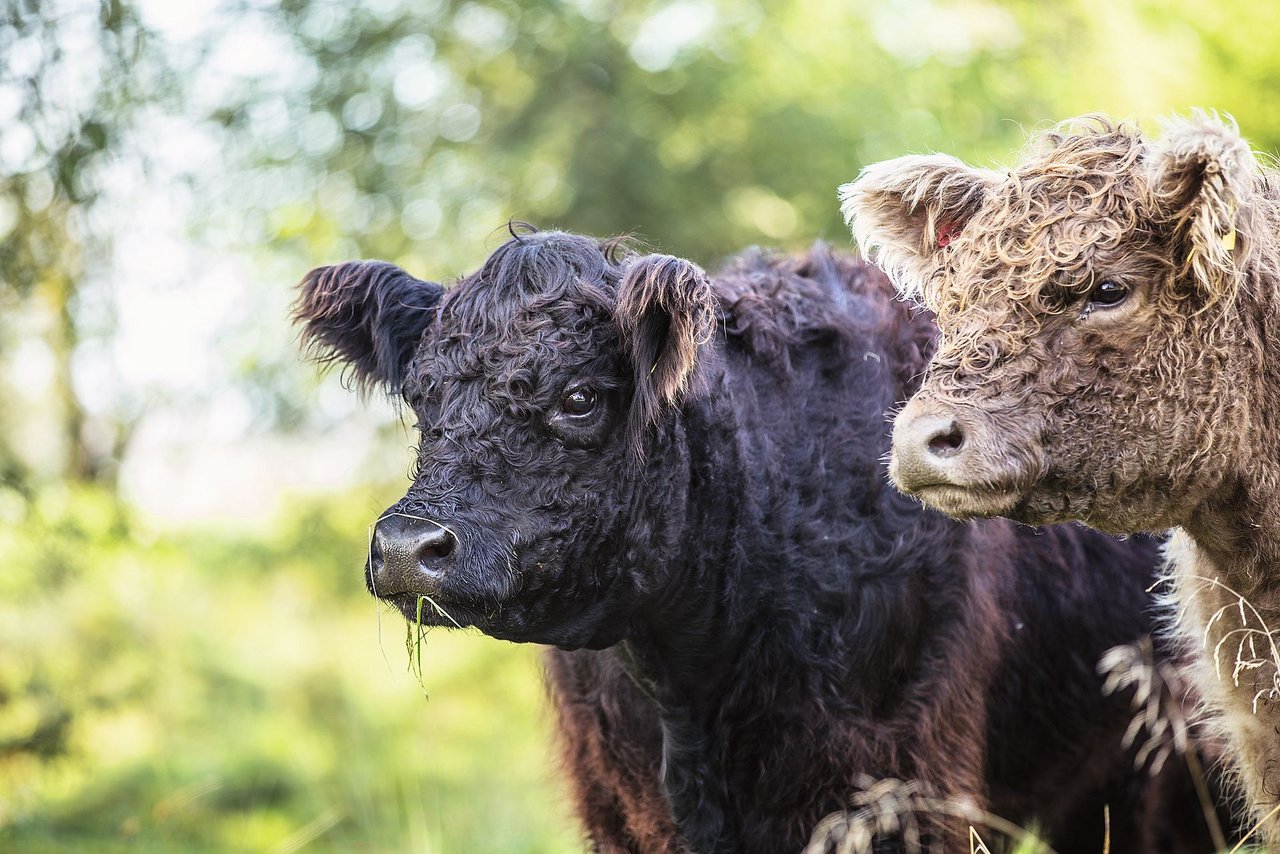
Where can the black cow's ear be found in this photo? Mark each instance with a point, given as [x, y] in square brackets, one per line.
[369, 315]
[666, 310]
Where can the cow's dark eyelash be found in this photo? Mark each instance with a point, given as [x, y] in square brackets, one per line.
[1058, 297]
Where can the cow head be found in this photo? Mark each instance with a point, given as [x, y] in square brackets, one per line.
[1092, 359]
[546, 388]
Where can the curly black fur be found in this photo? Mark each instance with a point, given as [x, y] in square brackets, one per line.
[369, 315]
[748, 616]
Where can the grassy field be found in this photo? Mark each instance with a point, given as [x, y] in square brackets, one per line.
[210, 692]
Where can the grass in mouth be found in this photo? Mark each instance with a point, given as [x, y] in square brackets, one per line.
[415, 632]
[415, 637]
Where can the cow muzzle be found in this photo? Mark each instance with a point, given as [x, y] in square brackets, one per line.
[409, 554]
[957, 459]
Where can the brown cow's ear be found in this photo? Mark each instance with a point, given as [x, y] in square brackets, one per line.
[902, 211]
[1202, 182]
[666, 310]
[368, 315]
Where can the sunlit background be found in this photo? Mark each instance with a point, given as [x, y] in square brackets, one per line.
[188, 659]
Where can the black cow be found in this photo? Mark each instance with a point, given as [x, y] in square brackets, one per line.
[678, 483]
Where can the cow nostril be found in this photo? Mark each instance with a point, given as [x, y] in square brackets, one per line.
[409, 554]
[948, 442]
[439, 544]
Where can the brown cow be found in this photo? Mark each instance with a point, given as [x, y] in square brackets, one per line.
[1109, 309]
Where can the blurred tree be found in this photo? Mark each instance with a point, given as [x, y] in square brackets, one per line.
[75, 74]
[703, 126]
[414, 130]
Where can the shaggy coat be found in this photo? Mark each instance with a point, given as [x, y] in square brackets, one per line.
[1110, 316]
[677, 481]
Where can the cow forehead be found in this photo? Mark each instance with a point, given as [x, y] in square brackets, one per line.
[1066, 196]
[510, 344]
[487, 319]
[1033, 242]
[1046, 209]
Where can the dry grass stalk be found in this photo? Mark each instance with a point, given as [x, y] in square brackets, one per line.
[906, 812]
[1155, 709]
[1242, 643]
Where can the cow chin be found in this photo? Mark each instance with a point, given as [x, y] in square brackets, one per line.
[1073, 496]
[1034, 505]
[431, 610]
[963, 502]
[1044, 504]
[513, 620]
[453, 600]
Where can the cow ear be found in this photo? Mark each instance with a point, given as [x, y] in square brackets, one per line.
[666, 310]
[368, 315]
[1202, 182]
[903, 211]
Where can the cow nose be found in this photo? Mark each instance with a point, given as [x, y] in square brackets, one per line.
[928, 449]
[409, 554]
[943, 438]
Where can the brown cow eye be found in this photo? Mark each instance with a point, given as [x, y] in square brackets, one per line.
[580, 401]
[1108, 293]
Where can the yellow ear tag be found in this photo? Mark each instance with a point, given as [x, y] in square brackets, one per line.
[1229, 240]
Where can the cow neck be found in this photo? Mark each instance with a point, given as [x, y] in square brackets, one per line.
[1225, 567]
[1237, 528]
[749, 594]
[1236, 531]
[686, 642]
[1226, 558]
[694, 647]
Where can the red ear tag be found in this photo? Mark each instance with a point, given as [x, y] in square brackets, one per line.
[946, 232]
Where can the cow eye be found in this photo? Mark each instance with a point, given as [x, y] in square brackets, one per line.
[1108, 293]
[578, 402]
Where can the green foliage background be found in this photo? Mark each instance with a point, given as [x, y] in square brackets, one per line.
[220, 685]
[229, 693]
[206, 693]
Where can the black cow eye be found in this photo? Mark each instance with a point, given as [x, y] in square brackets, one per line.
[580, 401]
[1107, 293]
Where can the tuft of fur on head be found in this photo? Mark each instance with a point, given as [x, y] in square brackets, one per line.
[666, 310]
[1202, 179]
[903, 211]
[369, 315]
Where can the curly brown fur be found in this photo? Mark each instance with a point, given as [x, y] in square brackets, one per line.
[748, 618]
[1049, 401]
